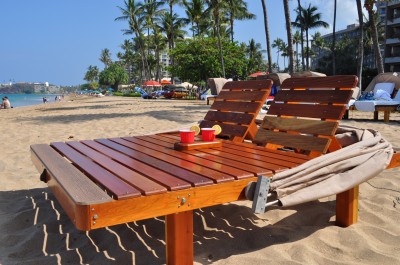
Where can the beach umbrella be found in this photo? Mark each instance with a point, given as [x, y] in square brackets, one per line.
[257, 74]
[187, 85]
[165, 82]
[151, 83]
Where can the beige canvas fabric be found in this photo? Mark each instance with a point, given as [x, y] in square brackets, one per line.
[335, 172]
[391, 77]
[216, 84]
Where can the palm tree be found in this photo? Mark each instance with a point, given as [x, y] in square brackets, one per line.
[308, 19]
[267, 35]
[215, 8]
[237, 9]
[289, 36]
[105, 57]
[299, 10]
[360, 58]
[132, 13]
[254, 54]
[92, 74]
[278, 43]
[151, 12]
[297, 40]
[194, 12]
[127, 57]
[333, 47]
[369, 5]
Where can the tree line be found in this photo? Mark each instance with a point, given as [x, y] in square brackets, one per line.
[154, 26]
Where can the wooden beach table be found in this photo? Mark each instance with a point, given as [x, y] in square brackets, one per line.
[106, 182]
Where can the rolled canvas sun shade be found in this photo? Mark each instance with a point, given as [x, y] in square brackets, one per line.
[335, 172]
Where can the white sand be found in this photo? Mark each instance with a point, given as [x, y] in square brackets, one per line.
[35, 230]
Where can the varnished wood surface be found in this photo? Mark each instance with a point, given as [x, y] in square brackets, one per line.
[146, 169]
[236, 107]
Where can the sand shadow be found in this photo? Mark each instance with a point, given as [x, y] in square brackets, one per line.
[180, 114]
[35, 230]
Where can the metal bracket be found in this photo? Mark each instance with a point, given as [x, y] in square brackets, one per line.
[43, 176]
[260, 194]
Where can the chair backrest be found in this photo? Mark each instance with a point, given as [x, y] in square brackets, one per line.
[236, 107]
[305, 112]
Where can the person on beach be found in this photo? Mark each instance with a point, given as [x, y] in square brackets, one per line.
[6, 103]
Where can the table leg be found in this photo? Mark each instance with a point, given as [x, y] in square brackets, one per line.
[376, 115]
[347, 207]
[179, 238]
[386, 116]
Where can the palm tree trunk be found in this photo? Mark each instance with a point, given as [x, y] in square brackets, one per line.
[231, 20]
[360, 60]
[289, 36]
[307, 52]
[378, 56]
[302, 36]
[172, 40]
[221, 57]
[267, 36]
[333, 49]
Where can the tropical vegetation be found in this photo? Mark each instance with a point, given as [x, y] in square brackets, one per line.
[201, 44]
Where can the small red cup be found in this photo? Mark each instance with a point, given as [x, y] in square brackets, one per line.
[187, 136]
[207, 134]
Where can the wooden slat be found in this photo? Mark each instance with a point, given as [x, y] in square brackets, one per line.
[186, 175]
[339, 81]
[232, 117]
[308, 110]
[154, 144]
[248, 84]
[112, 183]
[251, 107]
[249, 160]
[300, 125]
[227, 129]
[182, 162]
[315, 96]
[142, 183]
[241, 95]
[303, 142]
[163, 178]
[215, 159]
[79, 188]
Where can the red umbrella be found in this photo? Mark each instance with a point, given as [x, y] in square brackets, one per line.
[165, 82]
[257, 74]
[151, 83]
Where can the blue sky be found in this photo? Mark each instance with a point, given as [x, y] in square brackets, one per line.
[55, 41]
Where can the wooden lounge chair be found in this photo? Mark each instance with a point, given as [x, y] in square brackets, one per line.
[106, 182]
[304, 117]
[236, 108]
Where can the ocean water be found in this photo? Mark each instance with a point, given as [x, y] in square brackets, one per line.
[21, 100]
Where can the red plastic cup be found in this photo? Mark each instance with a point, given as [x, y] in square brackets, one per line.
[207, 134]
[187, 136]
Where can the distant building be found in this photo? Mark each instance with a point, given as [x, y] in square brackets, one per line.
[350, 32]
[392, 39]
[45, 88]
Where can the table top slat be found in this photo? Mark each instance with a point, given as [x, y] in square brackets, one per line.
[166, 154]
[140, 182]
[118, 188]
[154, 143]
[163, 178]
[193, 178]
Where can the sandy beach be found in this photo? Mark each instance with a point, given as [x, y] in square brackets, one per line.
[35, 230]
